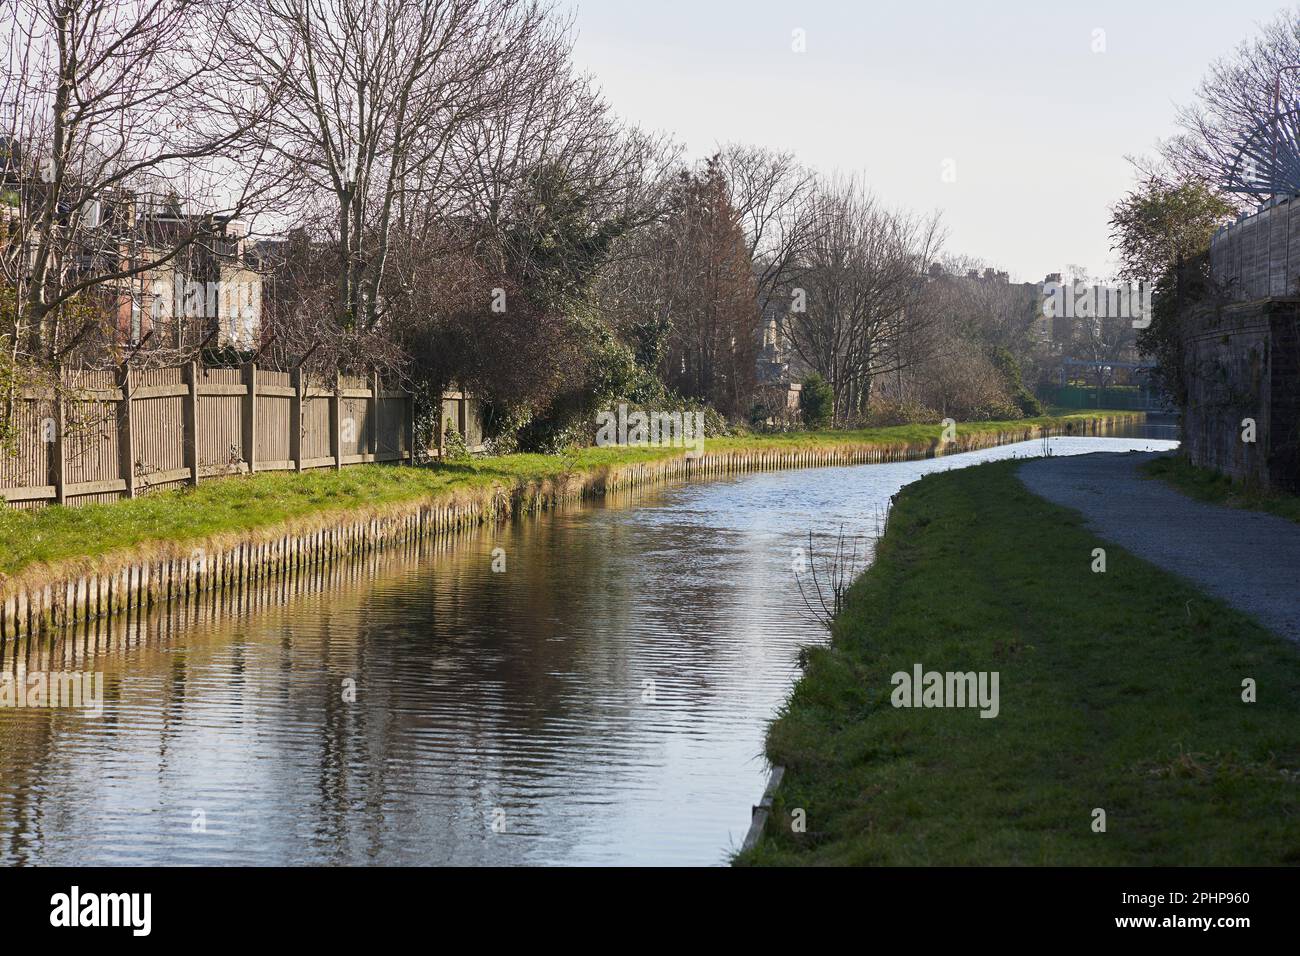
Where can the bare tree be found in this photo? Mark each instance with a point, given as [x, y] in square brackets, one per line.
[1235, 98]
[773, 196]
[377, 94]
[120, 137]
[713, 331]
[549, 146]
[865, 271]
[536, 195]
[1095, 335]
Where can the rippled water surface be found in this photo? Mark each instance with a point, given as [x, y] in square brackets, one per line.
[601, 701]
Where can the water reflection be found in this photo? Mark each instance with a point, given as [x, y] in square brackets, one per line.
[601, 701]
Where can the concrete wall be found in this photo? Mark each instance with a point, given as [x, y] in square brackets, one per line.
[1259, 257]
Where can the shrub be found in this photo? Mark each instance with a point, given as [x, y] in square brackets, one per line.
[816, 402]
[1024, 401]
[453, 444]
[887, 413]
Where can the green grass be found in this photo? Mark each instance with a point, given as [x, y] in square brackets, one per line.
[1119, 690]
[240, 504]
[1206, 485]
[898, 433]
[236, 504]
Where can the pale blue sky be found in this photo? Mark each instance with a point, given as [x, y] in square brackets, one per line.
[1036, 123]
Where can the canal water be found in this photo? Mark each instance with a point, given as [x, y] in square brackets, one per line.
[601, 700]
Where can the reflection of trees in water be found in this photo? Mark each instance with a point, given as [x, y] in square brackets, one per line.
[451, 662]
[473, 690]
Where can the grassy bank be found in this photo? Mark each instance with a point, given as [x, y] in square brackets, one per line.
[233, 505]
[1206, 485]
[902, 434]
[1118, 690]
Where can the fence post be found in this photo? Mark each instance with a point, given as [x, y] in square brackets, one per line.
[126, 431]
[249, 430]
[191, 436]
[336, 422]
[440, 425]
[60, 452]
[408, 426]
[372, 441]
[295, 419]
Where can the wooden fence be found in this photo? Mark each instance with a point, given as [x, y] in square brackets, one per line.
[108, 436]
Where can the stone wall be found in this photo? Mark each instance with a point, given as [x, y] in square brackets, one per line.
[1243, 362]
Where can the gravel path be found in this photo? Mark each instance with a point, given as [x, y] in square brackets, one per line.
[1249, 559]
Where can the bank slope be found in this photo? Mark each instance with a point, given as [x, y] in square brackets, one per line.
[1119, 691]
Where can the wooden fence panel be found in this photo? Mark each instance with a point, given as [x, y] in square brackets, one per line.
[221, 437]
[90, 449]
[391, 426]
[158, 415]
[272, 428]
[473, 423]
[31, 465]
[354, 426]
[272, 412]
[89, 445]
[315, 429]
[220, 421]
[159, 451]
[450, 414]
[111, 435]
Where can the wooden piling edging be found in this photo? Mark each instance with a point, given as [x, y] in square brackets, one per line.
[762, 810]
[47, 599]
